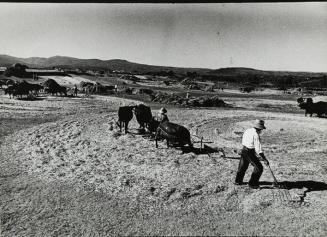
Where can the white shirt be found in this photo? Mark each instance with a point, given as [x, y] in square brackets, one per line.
[251, 140]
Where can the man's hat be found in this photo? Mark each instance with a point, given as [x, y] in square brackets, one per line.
[163, 110]
[259, 124]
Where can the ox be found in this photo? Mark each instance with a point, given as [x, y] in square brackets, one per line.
[21, 89]
[143, 115]
[318, 108]
[125, 115]
[173, 133]
[51, 86]
[57, 89]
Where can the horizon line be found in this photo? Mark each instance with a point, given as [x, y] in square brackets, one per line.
[160, 65]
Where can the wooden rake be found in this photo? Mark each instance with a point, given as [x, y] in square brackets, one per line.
[275, 184]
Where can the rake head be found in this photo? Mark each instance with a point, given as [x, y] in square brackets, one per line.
[277, 185]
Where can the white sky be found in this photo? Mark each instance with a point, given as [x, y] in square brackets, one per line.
[268, 36]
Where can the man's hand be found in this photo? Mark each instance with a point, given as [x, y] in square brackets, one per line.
[238, 151]
[264, 159]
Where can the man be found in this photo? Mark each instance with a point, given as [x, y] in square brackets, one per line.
[251, 149]
[163, 116]
[75, 90]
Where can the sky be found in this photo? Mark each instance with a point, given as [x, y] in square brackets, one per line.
[266, 36]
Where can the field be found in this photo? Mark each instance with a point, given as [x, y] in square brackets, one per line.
[66, 170]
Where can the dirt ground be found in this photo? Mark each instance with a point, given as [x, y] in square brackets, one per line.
[66, 170]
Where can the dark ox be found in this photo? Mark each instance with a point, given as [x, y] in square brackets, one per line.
[319, 108]
[125, 115]
[51, 86]
[143, 115]
[173, 133]
[56, 89]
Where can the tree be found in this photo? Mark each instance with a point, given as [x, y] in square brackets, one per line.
[191, 74]
[171, 73]
[17, 70]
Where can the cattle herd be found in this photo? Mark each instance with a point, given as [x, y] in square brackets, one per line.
[22, 88]
[171, 132]
[30, 90]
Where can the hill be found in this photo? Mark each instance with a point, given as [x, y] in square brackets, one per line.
[97, 64]
[6, 61]
[281, 79]
[233, 71]
[230, 74]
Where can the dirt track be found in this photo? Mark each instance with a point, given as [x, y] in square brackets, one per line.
[75, 174]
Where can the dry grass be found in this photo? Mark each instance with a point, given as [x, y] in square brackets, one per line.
[70, 173]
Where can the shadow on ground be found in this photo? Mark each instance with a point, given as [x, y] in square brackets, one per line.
[309, 184]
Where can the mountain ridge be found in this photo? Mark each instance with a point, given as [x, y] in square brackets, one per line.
[113, 64]
[124, 65]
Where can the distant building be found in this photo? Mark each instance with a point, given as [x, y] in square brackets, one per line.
[34, 70]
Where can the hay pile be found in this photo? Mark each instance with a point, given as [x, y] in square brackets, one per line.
[203, 101]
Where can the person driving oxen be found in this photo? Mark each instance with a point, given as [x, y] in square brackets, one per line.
[162, 115]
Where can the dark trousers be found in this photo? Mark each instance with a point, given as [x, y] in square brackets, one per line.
[248, 156]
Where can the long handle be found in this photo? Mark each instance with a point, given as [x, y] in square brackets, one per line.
[272, 174]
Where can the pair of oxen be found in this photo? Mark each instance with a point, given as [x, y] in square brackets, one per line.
[319, 108]
[171, 132]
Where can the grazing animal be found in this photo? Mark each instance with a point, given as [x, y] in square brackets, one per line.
[62, 90]
[125, 114]
[22, 88]
[172, 132]
[143, 115]
[319, 108]
[19, 89]
[58, 89]
[51, 86]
